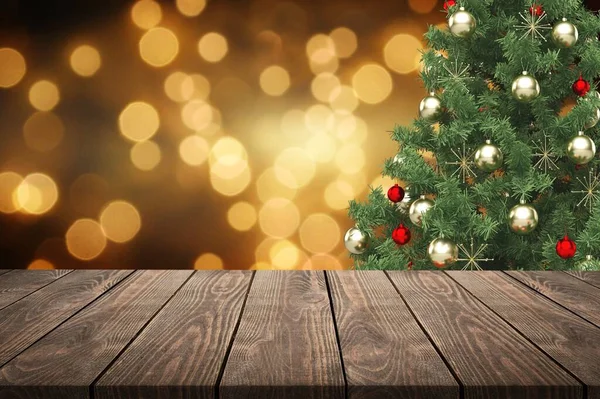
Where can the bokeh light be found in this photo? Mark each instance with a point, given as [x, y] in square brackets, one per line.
[85, 239]
[320, 49]
[197, 114]
[85, 60]
[44, 95]
[345, 41]
[350, 158]
[319, 233]
[12, 67]
[343, 99]
[402, 53]
[323, 86]
[285, 255]
[279, 218]
[145, 155]
[274, 80]
[36, 194]
[230, 186]
[338, 193]
[139, 121]
[174, 87]
[43, 131]
[422, 6]
[372, 83]
[159, 47]
[321, 147]
[40, 264]
[208, 261]
[194, 150]
[190, 8]
[323, 262]
[268, 186]
[213, 47]
[242, 216]
[146, 14]
[195, 86]
[120, 221]
[294, 167]
[319, 118]
[9, 182]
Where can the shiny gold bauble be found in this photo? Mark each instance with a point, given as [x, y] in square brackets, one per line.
[488, 157]
[356, 241]
[442, 252]
[404, 205]
[418, 208]
[581, 149]
[595, 117]
[565, 34]
[523, 218]
[430, 108]
[525, 88]
[462, 23]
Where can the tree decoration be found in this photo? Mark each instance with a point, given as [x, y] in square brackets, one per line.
[565, 34]
[589, 264]
[472, 256]
[404, 205]
[590, 186]
[595, 117]
[448, 4]
[462, 23]
[581, 87]
[536, 9]
[523, 218]
[442, 252]
[525, 87]
[533, 25]
[395, 193]
[401, 235]
[356, 241]
[463, 164]
[418, 208]
[581, 149]
[430, 108]
[488, 157]
[546, 156]
[457, 71]
[566, 248]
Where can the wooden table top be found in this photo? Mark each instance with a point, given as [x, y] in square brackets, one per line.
[299, 334]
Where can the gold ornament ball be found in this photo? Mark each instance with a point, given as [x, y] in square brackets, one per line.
[418, 208]
[581, 149]
[430, 108]
[488, 157]
[523, 218]
[462, 23]
[442, 252]
[404, 205]
[565, 34]
[356, 241]
[525, 88]
[593, 119]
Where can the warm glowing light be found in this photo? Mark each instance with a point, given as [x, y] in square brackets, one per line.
[174, 87]
[268, 187]
[43, 131]
[343, 99]
[146, 14]
[158, 47]
[319, 118]
[145, 155]
[372, 83]
[321, 147]
[319, 233]
[85, 239]
[40, 264]
[320, 49]
[350, 158]
[139, 121]
[230, 186]
[402, 53]
[12, 67]
[242, 216]
[338, 193]
[88, 194]
[322, 262]
[195, 86]
[383, 181]
[194, 150]
[422, 6]
[213, 47]
[345, 42]
[197, 114]
[228, 150]
[330, 66]
[36, 194]
[85, 60]
[262, 250]
[274, 80]
[190, 8]
[208, 261]
[352, 129]
[293, 124]
[284, 255]
[358, 181]
[9, 182]
[294, 167]
[323, 85]
[120, 221]
[44, 95]
[279, 217]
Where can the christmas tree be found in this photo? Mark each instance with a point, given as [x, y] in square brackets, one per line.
[499, 170]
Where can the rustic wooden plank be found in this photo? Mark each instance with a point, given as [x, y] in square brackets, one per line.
[20, 283]
[578, 296]
[65, 362]
[181, 352]
[286, 343]
[3, 271]
[568, 339]
[385, 352]
[29, 319]
[592, 278]
[489, 357]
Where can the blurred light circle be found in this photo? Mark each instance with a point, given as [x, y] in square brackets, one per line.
[284, 255]
[174, 87]
[228, 150]
[146, 14]
[352, 129]
[145, 155]
[321, 147]
[422, 6]
[43, 131]
[208, 261]
[323, 262]
[319, 233]
[402, 53]
[231, 186]
[158, 47]
[323, 85]
[197, 114]
[36, 194]
[294, 167]
[40, 264]
[261, 253]
[195, 86]
[242, 216]
[139, 121]
[85, 239]
[274, 80]
[85, 60]
[120, 221]
[268, 186]
[320, 49]
[9, 182]
[279, 217]
[293, 123]
[213, 47]
[338, 194]
[372, 83]
[343, 99]
[44, 95]
[345, 41]
[190, 8]
[350, 158]
[319, 118]
[194, 150]
[318, 67]
[12, 67]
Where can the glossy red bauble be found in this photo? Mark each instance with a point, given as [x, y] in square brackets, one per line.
[536, 10]
[566, 248]
[448, 4]
[581, 87]
[395, 193]
[401, 235]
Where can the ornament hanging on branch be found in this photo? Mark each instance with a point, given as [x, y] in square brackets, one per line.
[418, 208]
[523, 218]
[581, 87]
[525, 87]
[547, 158]
[488, 157]
[430, 108]
[536, 10]
[401, 235]
[462, 23]
[590, 186]
[395, 193]
[442, 252]
[589, 264]
[356, 241]
[581, 149]
[532, 25]
[448, 4]
[472, 256]
[566, 248]
[565, 34]
[595, 117]
[404, 205]
[463, 163]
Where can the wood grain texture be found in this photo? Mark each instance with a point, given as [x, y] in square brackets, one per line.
[488, 356]
[385, 352]
[578, 296]
[571, 341]
[181, 352]
[592, 278]
[29, 319]
[3, 271]
[286, 343]
[20, 283]
[66, 361]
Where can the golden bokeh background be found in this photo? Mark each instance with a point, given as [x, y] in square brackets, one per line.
[200, 134]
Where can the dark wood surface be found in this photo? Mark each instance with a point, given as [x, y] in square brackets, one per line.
[111, 334]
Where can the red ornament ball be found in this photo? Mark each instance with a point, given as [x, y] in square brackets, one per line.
[401, 235]
[396, 193]
[448, 4]
[581, 87]
[565, 248]
[536, 10]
